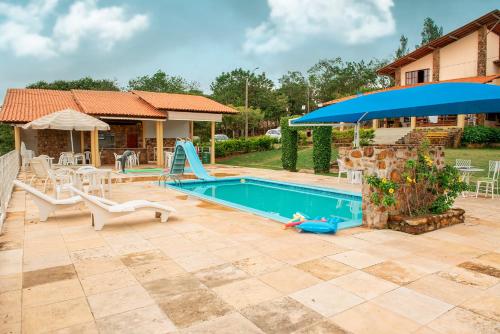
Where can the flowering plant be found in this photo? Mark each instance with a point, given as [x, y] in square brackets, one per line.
[384, 194]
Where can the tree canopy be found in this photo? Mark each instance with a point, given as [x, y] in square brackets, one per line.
[430, 31]
[403, 47]
[86, 83]
[162, 82]
[294, 86]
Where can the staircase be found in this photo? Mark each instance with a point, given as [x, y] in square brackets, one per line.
[449, 137]
[179, 161]
[388, 136]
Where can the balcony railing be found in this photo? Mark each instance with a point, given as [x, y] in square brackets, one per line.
[9, 168]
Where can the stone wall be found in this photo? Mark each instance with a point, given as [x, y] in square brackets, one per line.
[151, 144]
[419, 225]
[383, 161]
[436, 64]
[53, 142]
[481, 51]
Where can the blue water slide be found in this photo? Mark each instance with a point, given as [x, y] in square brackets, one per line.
[194, 161]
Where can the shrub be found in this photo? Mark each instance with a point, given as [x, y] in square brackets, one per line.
[253, 144]
[302, 137]
[6, 139]
[289, 138]
[480, 135]
[366, 136]
[322, 148]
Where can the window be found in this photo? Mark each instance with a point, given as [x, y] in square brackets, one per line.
[106, 140]
[419, 76]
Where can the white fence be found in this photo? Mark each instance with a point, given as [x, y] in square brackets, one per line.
[9, 168]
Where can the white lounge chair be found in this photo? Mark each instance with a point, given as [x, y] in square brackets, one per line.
[47, 204]
[103, 210]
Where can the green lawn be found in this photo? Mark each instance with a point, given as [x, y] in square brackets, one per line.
[272, 159]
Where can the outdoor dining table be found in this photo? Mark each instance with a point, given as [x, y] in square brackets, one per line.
[106, 171]
[466, 173]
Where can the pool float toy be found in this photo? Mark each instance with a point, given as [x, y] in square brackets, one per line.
[322, 226]
[297, 219]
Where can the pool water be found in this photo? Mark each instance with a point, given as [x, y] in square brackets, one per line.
[277, 200]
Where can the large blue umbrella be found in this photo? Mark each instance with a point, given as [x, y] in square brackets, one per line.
[426, 100]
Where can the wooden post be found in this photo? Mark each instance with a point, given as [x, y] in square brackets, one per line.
[82, 141]
[94, 151]
[17, 139]
[413, 122]
[159, 143]
[143, 134]
[341, 126]
[212, 143]
[191, 129]
[375, 124]
[461, 121]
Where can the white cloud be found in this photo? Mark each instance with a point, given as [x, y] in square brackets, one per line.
[22, 28]
[291, 22]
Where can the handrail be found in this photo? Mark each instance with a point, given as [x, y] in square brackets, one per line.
[9, 168]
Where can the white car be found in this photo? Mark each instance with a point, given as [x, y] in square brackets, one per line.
[274, 133]
[221, 137]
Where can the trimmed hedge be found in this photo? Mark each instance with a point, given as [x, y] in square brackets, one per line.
[480, 135]
[366, 136]
[322, 148]
[289, 145]
[234, 146]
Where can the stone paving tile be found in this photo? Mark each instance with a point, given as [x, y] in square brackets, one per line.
[364, 285]
[282, 315]
[462, 321]
[141, 258]
[396, 272]
[413, 305]
[56, 316]
[220, 275]
[118, 301]
[11, 282]
[148, 319]
[52, 292]
[258, 265]
[97, 266]
[11, 261]
[289, 279]
[443, 289]
[325, 268]
[326, 298]
[10, 307]
[48, 275]
[322, 327]
[199, 261]
[156, 270]
[192, 307]
[487, 304]
[228, 324]
[85, 328]
[159, 289]
[108, 281]
[246, 292]
[469, 277]
[366, 319]
[358, 260]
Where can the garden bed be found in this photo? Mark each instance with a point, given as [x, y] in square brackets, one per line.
[423, 224]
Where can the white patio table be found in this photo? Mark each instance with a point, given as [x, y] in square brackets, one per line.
[466, 173]
[107, 174]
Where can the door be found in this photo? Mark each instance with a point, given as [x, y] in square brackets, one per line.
[132, 140]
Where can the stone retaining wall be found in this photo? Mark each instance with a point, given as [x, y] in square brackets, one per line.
[419, 225]
[384, 161]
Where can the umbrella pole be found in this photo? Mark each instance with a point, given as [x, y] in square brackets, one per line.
[71, 138]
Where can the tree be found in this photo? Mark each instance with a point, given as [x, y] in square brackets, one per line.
[6, 139]
[229, 88]
[333, 78]
[86, 83]
[403, 47]
[430, 31]
[294, 86]
[161, 82]
[234, 125]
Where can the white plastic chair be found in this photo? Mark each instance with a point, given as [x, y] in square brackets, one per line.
[90, 178]
[26, 155]
[66, 158]
[118, 164]
[87, 156]
[343, 169]
[490, 183]
[104, 210]
[46, 204]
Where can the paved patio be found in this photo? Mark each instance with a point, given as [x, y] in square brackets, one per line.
[212, 269]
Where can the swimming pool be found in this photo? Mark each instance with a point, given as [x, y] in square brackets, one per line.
[276, 200]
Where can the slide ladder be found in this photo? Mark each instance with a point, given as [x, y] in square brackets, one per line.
[185, 150]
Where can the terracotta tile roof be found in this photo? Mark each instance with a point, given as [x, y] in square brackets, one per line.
[480, 79]
[110, 103]
[25, 105]
[183, 102]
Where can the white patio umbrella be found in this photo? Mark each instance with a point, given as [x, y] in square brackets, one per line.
[67, 119]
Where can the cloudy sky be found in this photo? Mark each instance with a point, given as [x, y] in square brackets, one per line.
[198, 39]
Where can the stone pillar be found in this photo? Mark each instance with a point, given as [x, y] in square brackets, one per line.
[159, 143]
[191, 129]
[17, 139]
[413, 122]
[212, 142]
[461, 121]
[436, 64]
[341, 126]
[82, 141]
[481, 51]
[397, 77]
[94, 148]
[143, 134]
[375, 124]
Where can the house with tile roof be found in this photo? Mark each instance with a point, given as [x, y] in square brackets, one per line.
[145, 122]
[467, 54]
